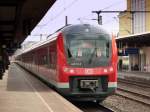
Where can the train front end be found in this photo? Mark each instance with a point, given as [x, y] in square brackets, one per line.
[87, 61]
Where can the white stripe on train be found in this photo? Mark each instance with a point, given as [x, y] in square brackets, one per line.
[112, 84]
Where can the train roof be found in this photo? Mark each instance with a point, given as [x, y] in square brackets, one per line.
[77, 29]
[81, 28]
[38, 44]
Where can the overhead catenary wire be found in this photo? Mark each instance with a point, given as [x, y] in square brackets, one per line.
[60, 13]
[67, 7]
[107, 7]
[114, 4]
[57, 15]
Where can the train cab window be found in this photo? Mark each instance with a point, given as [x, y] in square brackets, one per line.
[98, 52]
[90, 50]
[81, 48]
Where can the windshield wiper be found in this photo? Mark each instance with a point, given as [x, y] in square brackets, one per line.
[92, 55]
[107, 49]
[69, 53]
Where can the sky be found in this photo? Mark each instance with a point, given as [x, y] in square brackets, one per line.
[78, 11]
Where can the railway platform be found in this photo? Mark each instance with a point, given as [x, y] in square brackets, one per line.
[135, 75]
[21, 92]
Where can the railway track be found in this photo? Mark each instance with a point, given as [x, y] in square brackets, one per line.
[92, 107]
[133, 82]
[131, 93]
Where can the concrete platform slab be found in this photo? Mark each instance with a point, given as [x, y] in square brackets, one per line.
[21, 92]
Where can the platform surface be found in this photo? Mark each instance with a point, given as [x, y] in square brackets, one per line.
[22, 92]
[137, 75]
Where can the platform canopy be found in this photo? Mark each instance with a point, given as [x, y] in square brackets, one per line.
[18, 18]
[136, 40]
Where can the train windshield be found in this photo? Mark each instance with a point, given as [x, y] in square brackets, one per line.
[88, 51]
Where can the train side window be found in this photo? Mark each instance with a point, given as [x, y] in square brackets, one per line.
[44, 60]
[52, 60]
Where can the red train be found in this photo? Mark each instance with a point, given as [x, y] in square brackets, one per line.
[80, 61]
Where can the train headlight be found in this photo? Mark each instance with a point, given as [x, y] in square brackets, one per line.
[105, 70]
[111, 69]
[71, 71]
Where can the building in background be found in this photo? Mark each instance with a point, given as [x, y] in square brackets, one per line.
[136, 22]
[134, 36]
